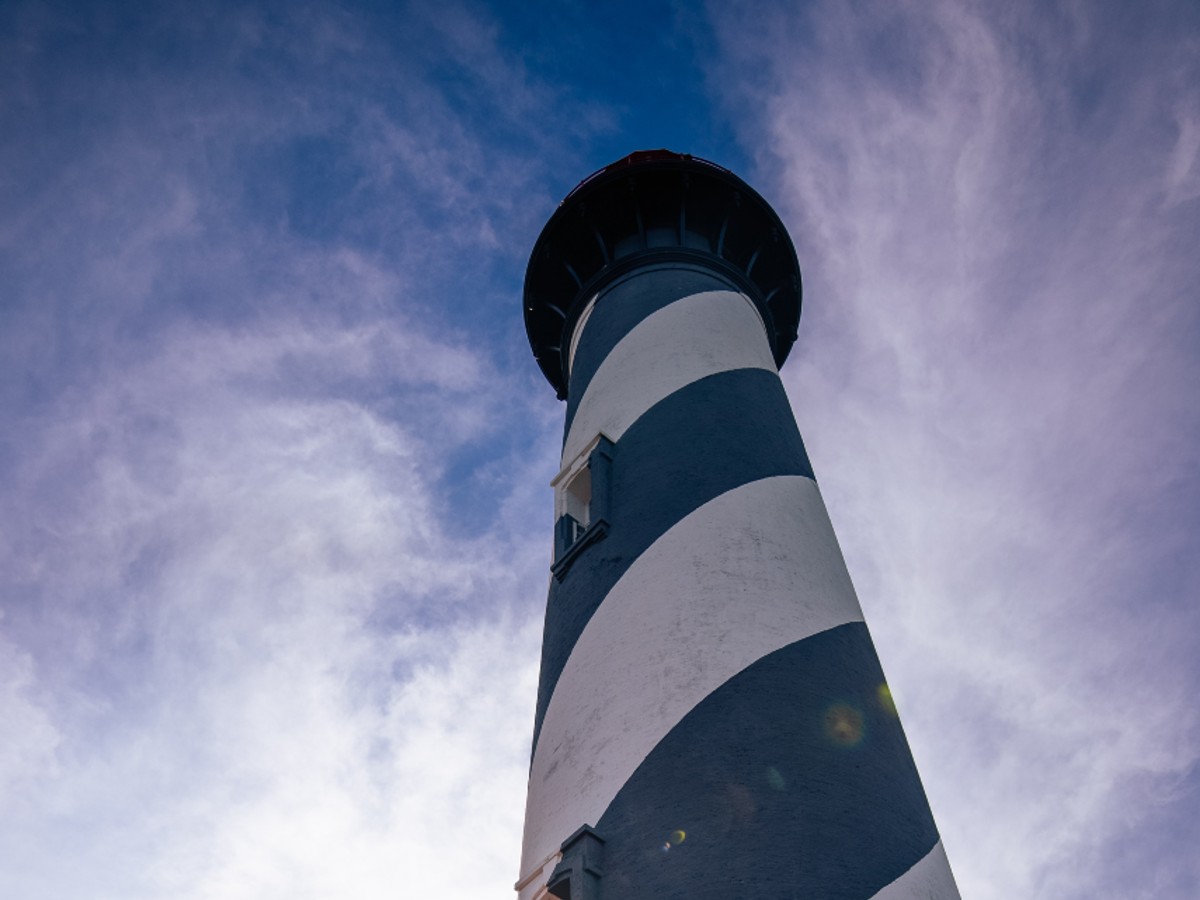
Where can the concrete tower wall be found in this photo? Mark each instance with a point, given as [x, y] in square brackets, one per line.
[710, 699]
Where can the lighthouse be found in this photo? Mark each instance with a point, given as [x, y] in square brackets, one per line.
[712, 720]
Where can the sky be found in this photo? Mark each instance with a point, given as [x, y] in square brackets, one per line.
[275, 516]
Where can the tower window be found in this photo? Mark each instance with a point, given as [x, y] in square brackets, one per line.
[577, 499]
[581, 502]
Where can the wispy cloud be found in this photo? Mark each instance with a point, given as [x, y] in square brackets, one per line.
[993, 376]
[273, 457]
[271, 539]
[228, 587]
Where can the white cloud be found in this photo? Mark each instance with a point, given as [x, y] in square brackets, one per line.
[261, 637]
[220, 713]
[990, 378]
[30, 738]
[254, 643]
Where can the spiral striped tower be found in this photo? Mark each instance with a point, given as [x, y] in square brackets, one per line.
[712, 720]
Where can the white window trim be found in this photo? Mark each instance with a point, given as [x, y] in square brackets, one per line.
[568, 473]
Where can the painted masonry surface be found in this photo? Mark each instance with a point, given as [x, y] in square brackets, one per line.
[712, 720]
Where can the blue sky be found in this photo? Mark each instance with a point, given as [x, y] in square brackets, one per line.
[274, 455]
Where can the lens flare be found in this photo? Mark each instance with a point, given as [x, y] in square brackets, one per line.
[775, 779]
[677, 837]
[884, 694]
[844, 725]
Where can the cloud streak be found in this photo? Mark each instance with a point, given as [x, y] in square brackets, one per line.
[268, 609]
[993, 375]
[223, 584]
[273, 458]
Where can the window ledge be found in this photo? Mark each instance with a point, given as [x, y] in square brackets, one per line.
[596, 531]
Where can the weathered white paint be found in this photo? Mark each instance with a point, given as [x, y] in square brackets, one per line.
[929, 879]
[577, 332]
[696, 336]
[751, 571]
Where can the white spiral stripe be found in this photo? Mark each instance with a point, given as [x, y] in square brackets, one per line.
[747, 573]
[696, 336]
[930, 878]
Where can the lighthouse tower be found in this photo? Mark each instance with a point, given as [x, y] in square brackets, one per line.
[712, 720]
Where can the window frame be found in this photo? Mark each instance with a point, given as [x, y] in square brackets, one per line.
[569, 541]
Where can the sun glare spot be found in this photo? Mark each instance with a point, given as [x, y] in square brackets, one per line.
[775, 779]
[844, 725]
[884, 694]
